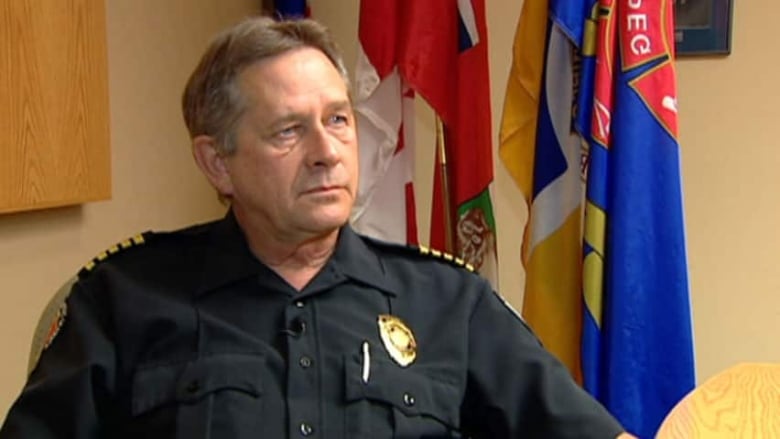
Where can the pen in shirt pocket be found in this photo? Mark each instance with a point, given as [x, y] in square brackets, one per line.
[366, 362]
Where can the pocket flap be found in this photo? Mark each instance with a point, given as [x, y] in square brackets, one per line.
[411, 391]
[187, 381]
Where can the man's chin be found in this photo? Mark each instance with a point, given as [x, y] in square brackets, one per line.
[328, 222]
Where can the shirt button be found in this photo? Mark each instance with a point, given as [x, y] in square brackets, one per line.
[192, 387]
[305, 362]
[306, 429]
[299, 304]
[409, 399]
[297, 328]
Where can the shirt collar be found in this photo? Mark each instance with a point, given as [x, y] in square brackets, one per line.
[228, 258]
[225, 255]
[357, 260]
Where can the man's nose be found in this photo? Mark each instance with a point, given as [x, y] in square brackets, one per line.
[323, 148]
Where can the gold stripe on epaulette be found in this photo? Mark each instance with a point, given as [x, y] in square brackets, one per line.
[114, 249]
[425, 251]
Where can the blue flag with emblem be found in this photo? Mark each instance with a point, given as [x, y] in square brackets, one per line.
[637, 347]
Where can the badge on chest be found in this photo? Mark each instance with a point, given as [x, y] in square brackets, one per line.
[398, 339]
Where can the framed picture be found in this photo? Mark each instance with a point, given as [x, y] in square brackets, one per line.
[702, 27]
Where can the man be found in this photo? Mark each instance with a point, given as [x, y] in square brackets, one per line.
[278, 320]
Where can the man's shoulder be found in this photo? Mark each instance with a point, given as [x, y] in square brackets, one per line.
[425, 280]
[150, 248]
[417, 256]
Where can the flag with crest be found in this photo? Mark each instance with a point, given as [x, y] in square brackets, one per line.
[637, 336]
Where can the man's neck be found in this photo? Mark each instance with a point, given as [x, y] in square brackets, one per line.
[297, 259]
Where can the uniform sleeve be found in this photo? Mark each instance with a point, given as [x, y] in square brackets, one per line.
[67, 393]
[517, 389]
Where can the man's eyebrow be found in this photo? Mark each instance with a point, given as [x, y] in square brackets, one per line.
[285, 118]
[345, 104]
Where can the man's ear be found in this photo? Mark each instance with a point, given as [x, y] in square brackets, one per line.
[212, 163]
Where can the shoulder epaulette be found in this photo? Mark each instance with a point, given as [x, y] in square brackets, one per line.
[425, 251]
[134, 241]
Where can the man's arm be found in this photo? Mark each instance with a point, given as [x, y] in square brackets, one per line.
[66, 391]
[517, 389]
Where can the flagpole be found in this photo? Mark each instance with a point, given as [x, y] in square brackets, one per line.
[448, 244]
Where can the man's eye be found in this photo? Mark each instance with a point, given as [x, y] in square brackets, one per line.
[339, 119]
[288, 132]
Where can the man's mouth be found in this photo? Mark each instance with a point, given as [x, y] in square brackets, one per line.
[323, 189]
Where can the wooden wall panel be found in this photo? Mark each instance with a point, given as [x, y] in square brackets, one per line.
[54, 120]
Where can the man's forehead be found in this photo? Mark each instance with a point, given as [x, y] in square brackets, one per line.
[291, 65]
[282, 87]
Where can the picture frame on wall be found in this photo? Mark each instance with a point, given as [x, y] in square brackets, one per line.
[702, 27]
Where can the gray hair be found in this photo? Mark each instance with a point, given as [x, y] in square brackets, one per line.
[212, 102]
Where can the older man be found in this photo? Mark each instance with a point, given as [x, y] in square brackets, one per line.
[279, 320]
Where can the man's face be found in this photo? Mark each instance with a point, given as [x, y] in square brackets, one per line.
[295, 169]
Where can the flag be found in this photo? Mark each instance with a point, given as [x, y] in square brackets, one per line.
[384, 110]
[637, 337]
[291, 9]
[543, 153]
[462, 218]
[438, 50]
[615, 56]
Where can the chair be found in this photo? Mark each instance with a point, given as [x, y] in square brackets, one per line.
[740, 402]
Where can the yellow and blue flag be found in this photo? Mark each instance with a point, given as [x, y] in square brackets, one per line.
[637, 337]
[543, 153]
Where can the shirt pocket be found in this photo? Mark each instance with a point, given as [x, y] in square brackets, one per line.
[217, 395]
[398, 402]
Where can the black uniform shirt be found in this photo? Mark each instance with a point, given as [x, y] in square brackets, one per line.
[190, 336]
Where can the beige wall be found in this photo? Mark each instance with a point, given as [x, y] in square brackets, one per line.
[730, 157]
[729, 115]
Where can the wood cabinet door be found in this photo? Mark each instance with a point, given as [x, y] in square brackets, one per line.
[54, 119]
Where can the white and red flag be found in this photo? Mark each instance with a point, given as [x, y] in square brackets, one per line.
[438, 49]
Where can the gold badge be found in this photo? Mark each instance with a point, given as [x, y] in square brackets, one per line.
[398, 339]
